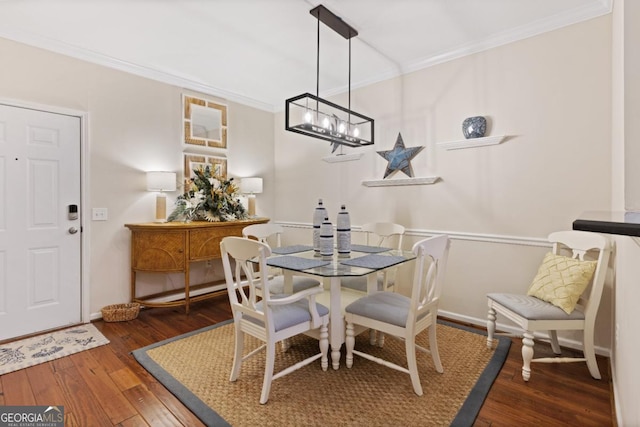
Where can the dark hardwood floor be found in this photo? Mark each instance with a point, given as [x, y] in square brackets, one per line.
[105, 386]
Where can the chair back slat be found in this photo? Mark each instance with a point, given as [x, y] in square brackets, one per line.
[264, 233]
[586, 246]
[243, 279]
[431, 258]
[383, 233]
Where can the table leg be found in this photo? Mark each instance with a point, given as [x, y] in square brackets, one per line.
[336, 323]
[288, 282]
[372, 286]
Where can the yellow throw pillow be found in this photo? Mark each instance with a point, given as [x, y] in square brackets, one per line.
[561, 280]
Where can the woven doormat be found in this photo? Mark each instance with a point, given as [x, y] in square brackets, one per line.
[21, 354]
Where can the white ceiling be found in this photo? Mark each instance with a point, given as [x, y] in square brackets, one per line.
[260, 52]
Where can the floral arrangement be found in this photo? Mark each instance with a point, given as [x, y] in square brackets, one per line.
[208, 197]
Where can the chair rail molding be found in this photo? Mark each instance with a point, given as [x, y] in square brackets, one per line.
[455, 235]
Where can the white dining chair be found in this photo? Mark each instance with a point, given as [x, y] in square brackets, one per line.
[405, 317]
[380, 234]
[564, 295]
[265, 317]
[270, 234]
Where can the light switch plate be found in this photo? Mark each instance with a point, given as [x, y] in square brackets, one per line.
[99, 214]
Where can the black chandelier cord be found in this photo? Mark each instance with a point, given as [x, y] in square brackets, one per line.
[349, 82]
[318, 60]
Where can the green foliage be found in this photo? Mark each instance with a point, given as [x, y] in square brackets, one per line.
[210, 198]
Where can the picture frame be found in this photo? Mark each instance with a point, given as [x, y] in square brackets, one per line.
[217, 164]
[204, 123]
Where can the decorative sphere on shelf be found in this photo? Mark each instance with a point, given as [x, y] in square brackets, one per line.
[474, 127]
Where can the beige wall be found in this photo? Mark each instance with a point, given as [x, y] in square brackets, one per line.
[550, 94]
[134, 125]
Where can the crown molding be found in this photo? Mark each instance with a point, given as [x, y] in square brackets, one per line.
[574, 16]
[557, 21]
[128, 67]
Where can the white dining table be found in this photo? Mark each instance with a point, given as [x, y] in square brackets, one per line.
[362, 261]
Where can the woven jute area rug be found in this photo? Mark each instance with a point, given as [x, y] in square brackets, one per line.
[31, 351]
[196, 368]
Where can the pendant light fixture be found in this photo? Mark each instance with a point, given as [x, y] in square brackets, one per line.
[318, 118]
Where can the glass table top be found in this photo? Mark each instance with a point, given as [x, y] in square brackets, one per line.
[357, 263]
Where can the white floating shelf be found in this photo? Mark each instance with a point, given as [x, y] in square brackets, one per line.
[472, 142]
[342, 158]
[407, 181]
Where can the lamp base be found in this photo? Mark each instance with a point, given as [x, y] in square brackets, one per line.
[161, 208]
[252, 205]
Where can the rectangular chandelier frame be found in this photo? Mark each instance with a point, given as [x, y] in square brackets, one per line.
[313, 116]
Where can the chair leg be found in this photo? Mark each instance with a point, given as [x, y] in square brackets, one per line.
[491, 326]
[350, 342]
[527, 355]
[589, 352]
[268, 372]
[380, 339]
[372, 336]
[433, 347]
[237, 355]
[555, 345]
[324, 346]
[412, 364]
[285, 344]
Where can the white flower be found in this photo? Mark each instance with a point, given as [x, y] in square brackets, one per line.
[211, 217]
[214, 182]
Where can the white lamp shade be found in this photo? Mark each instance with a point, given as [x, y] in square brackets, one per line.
[251, 185]
[161, 181]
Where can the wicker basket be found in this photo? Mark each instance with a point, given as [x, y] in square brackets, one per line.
[120, 312]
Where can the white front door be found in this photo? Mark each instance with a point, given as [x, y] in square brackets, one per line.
[40, 254]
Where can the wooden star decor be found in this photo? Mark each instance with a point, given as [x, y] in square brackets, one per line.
[400, 158]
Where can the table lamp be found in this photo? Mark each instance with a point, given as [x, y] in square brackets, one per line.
[251, 187]
[161, 182]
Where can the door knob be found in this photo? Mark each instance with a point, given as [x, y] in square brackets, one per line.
[73, 230]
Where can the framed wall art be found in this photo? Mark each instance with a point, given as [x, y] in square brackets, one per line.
[204, 123]
[218, 165]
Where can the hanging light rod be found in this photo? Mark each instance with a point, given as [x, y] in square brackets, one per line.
[318, 118]
[333, 21]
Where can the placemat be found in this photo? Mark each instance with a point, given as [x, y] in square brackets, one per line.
[295, 263]
[373, 261]
[369, 249]
[285, 250]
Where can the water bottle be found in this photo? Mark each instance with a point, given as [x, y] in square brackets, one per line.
[343, 232]
[319, 215]
[326, 238]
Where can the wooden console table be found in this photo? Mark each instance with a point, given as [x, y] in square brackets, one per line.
[171, 247]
